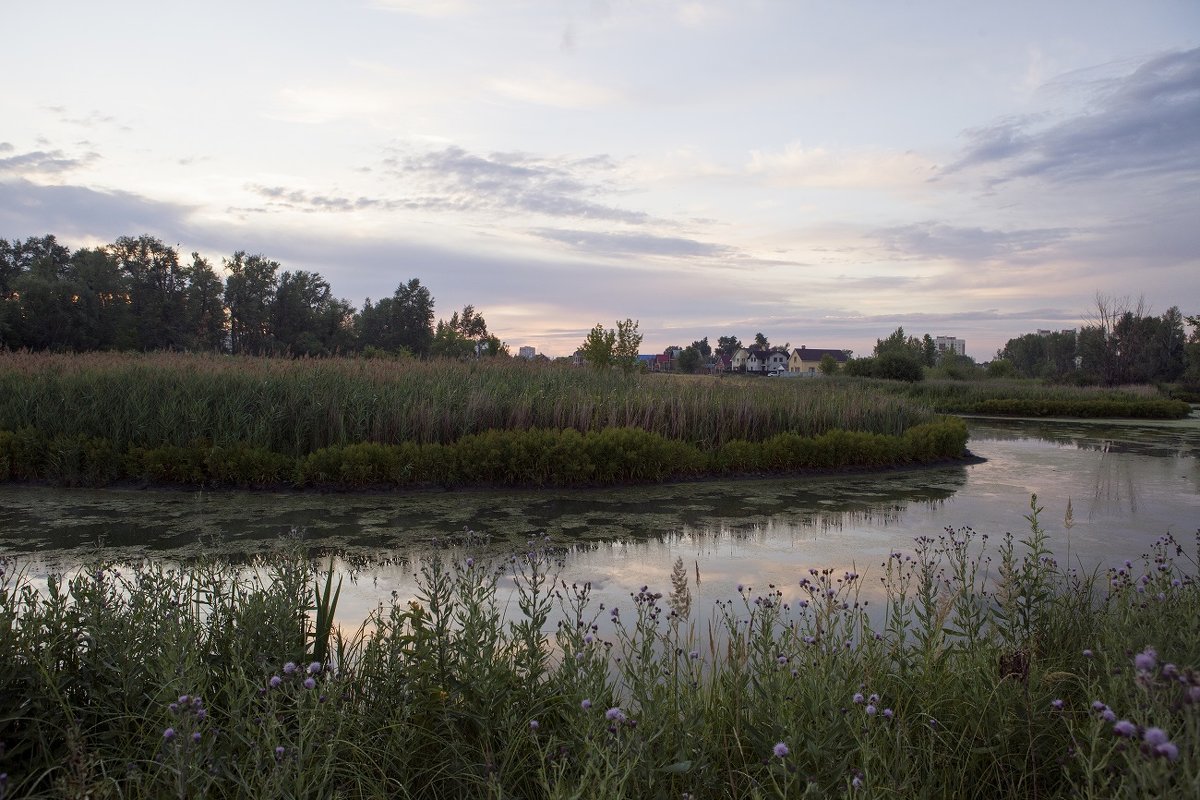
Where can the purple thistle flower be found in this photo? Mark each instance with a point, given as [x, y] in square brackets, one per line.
[870, 709]
[887, 713]
[780, 750]
[173, 708]
[615, 714]
[196, 737]
[279, 751]
[1125, 728]
[309, 683]
[184, 699]
[201, 714]
[586, 704]
[874, 698]
[169, 734]
[533, 725]
[289, 668]
[1108, 715]
[1146, 660]
[782, 660]
[858, 698]
[1056, 704]
[470, 562]
[1097, 706]
[1155, 736]
[314, 668]
[856, 782]
[1167, 750]
[1088, 654]
[275, 681]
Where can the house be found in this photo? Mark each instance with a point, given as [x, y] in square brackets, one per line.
[807, 360]
[756, 359]
[527, 353]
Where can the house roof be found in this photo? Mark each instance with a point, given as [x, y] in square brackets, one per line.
[817, 353]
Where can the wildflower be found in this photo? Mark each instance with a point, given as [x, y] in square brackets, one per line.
[173, 708]
[1170, 671]
[309, 683]
[586, 704]
[1088, 654]
[615, 714]
[470, 562]
[695, 654]
[856, 781]
[533, 725]
[780, 750]
[169, 734]
[740, 588]
[1108, 715]
[279, 751]
[870, 709]
[289, 668]
[1167, 750]
[887, 713]
[196, 737]
[1125, 728]
[1145, 660]
[1154, 736]
[1056, 704]
[782, 660]
[314, 668]
[201, 714]
[275, 681]
[874, 698]
[588, 639]
[858, 698]
[1097, 706]
[184, 699]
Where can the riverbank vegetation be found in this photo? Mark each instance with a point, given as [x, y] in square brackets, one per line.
[1036, 398]
[223, 420]
[988, 670]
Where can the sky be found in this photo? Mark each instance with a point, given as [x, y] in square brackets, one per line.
[820, 172]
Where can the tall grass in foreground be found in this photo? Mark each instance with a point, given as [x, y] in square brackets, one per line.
[990, 674]
[295, 407]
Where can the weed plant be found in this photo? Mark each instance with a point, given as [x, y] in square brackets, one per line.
[986, 673]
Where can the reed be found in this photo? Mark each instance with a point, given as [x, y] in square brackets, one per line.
[295, 407]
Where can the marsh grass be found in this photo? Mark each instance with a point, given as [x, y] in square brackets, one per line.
[987, 673]
[295, 407]
[1034, 398]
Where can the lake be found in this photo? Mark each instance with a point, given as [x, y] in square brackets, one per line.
[1128, 483]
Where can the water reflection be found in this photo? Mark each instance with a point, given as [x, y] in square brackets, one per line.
[1127, 484]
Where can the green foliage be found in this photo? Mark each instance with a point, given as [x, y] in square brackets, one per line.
[828, 365]
[599, 346]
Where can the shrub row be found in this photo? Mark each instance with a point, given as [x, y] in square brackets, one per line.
[535, 457]
[1135, 409]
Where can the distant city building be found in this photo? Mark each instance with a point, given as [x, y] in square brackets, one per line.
[527, 352]
[951, 344]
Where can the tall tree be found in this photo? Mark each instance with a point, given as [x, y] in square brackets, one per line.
[205, 318]
[249, 295]
[625, 353]
[102, 302]
[297, 309]
[598, 346]
[702, 347]
[156, 288]
[402, 322]
[760, 340]
[728, 345]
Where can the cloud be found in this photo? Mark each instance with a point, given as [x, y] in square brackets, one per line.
[554, 92]
[455, 179]
[425, 8]
[41, 162]
[642, 244]
[939, 240]
[797, 166]
[30, 209]
[1143, 123]
[300, 200]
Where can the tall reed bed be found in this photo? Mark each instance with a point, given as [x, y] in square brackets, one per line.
[295, 407]
[1034, 398]
[991, 671]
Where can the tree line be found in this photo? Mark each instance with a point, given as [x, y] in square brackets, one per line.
[139, 294]
[1121, 343]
